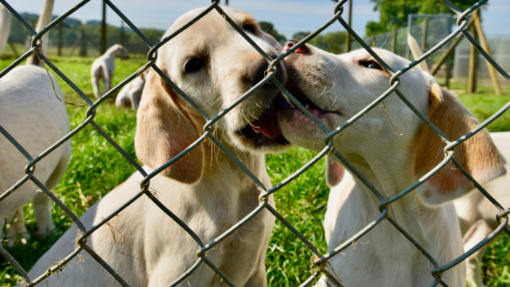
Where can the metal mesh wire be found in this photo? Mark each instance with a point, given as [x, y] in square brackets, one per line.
[203, 247]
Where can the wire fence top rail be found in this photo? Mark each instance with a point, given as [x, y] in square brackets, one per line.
[203, 247]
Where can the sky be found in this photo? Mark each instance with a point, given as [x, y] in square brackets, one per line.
[288, 16]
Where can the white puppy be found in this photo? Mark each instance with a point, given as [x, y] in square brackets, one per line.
[31, 113]
[215, 66]
[131, 94]
[335, 88]
[103, 67]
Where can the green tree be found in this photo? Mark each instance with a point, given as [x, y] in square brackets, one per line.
[269, 28]
[300, 35]
[333, 42]
[394, 13]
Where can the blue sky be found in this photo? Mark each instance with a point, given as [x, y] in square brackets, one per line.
[288, 16]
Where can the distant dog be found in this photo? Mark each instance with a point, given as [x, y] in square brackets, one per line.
[103, 67]
[214, 65]
[32, 114]
[131, 93]
[335, 88]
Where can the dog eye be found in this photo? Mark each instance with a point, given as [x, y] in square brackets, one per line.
[193, 65]
[372, 65]
[249, 29]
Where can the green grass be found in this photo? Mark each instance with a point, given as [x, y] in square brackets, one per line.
[96, 167]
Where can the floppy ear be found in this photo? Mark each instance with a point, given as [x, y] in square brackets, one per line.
[478, 155]
[163, 130]
[334, 172]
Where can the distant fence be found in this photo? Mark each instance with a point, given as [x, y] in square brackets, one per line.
[74, 38]
[500, 49]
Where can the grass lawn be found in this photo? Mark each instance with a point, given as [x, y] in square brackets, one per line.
[96, 167]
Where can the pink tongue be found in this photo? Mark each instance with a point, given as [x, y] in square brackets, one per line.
[315, 112]
[270, 130]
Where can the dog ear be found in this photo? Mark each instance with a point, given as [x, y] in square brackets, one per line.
[334, 172]
[478, 155]
[164, 129]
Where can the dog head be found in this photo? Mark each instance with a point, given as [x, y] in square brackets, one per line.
[120, 51]
[215, 66]
[390, 139]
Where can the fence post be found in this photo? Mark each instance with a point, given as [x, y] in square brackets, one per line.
[59, 52]
[485, 46]
[348, 39]
[83, 47]
[103, 30]
[472, 64]
[121, 40]
[394, 40]
[424, 35]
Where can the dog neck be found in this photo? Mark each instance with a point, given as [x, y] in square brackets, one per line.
[218, 166]
[389, 176]
[110, 53]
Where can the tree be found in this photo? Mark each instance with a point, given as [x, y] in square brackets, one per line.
[269, 28]
[333, 42]
[394, 13]
[300, 35]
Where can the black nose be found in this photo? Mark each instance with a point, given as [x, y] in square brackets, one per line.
[301, 50]
[258, 73]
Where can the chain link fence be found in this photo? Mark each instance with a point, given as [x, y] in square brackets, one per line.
[202, 247]
[500, 51]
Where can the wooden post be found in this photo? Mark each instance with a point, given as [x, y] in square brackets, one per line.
[12, 47]
[372, 44]
[103, 30]
[121, 40]
[83, 47]
[226, 2]
[349, 20]
[485, 46]
[472, 65]
[450, 49]
[59, 52]
[394, 40]
[424, 35]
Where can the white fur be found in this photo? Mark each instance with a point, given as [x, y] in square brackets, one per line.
[5, 27]
[43, 21]
[31, 113]
[416, 51]
[383, 152]
[221, 197]
[477, 214]
[131, 94]
[103, 68]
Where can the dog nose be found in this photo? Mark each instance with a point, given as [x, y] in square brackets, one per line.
[259, 72]
[291, 43]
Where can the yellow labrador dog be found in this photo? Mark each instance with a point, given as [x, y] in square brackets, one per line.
[335, 88]
[215, 66]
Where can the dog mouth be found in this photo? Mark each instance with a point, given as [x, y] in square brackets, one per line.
[265, 129]
[301, 97]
